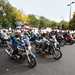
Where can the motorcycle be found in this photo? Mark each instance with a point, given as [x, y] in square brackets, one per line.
[68, 38]
[24, 53]
[60, 39]
[48, 47]
[3, 40]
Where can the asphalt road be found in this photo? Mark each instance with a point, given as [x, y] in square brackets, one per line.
[64, 66]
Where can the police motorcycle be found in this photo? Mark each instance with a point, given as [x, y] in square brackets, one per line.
[23, 52]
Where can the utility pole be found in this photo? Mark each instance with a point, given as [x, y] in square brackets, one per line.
[70, 5]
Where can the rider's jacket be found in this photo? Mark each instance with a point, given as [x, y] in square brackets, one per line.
[20, 41]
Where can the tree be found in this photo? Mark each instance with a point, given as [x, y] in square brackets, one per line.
[72, 23]
[64, 25]
[44, 22]
[33, 21]
[9, 19]
[53, 24]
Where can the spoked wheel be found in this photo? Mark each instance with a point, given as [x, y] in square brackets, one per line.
[57, 54]
[32, 63]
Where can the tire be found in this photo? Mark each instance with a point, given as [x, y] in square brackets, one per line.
[33, 62]
[57, 57]
[21, 59]
[62, 43]
[58, 46]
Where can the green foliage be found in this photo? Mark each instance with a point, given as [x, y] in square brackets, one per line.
[44, 22]
[9, 19]
[64, 25]
[13, 15]
[53, 24]
[40, 22]
[72, 23]
[33, 21]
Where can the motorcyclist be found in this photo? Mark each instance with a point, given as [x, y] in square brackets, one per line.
[16, 41]
[20, 40]
[25, 38]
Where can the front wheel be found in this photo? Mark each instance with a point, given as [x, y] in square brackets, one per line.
[62, 43]
[57, 54]
[32, 63]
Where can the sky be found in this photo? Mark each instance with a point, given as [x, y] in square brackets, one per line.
[52, 9]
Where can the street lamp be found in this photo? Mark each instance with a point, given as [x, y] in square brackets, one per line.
[70, 8]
